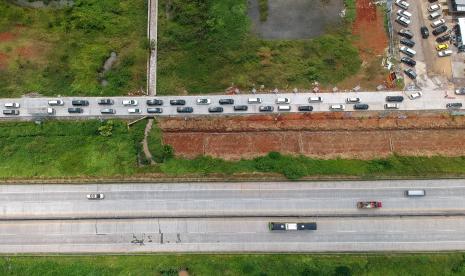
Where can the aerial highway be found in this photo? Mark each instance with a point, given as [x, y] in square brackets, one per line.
[430, 100]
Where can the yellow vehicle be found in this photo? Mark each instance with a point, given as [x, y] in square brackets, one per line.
[441, 47]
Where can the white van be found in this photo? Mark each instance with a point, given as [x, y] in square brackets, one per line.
[255, 100]
[415, 193]
[284, 108]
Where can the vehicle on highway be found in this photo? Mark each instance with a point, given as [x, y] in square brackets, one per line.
[369, 204]
[154, 102]
[415, 95]
[361, 106]
[444, 53]
[352, 100]
[284, 108]
[441, 47]
[408, 51]
[178, 102]
[407, 42]
[254, 100]
[283, 101]
[403, 4]
[315, 100]
[337, 107]
[130, 102]
[185, 109]
[291, 226]
[433, 8]
[443, 38]
[404, 21]
[105, 102]
[215, 109]
[75, 110]
[391, 106]
[10, 112]
[12, 105]
[108, 111]
[55, 102]
[305, 108]
[133, 110]
[406, 33]
[415, 193]
[204, 101]
[404, 13]
[424, 32]
[438, 23]
[154, 110]
[80, 102]
[240, 108]
[266, 108]
[95, 196]
[439, 30]
[226, 101]
[408, 61]
[454, 105]
[410, 73]
[460, 91]
[394, 98]
[434, 15]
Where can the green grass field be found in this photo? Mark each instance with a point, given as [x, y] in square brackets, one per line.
[279, 265]
[61, 52]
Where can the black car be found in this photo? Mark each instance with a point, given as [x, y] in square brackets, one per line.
[154, 102]
[454, 105]
[155, 110]
[106, 102]
[305, 108]
[439, 30]
[75, 110]
[240, 108]
[108, 111]
[10, 112]
[360, 106]
[394, 99]
[306, 226]
[80, 102]
[186, 109]
[215, 109]
[177, 102]
[410, 73]
[266, 108]
[406, 33]
[226, 101]
[408, 61]
[443, 38]
[407, 42]
[424, 32]
[273, 226]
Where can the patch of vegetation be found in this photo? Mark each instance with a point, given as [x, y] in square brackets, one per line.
[245, 264]
[206, 46]
[263, 9]
[160, 152]
[351, 10]
[62, 51]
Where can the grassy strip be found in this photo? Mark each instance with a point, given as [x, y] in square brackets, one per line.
[351, 10]
[256, 264]
[263, 8]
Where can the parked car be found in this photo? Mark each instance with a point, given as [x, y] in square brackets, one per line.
[105, 102]
[441, 47]
[403, 4]
[460, 91]
[315, 99]
[55, 102]
[404, 13]
[438, 23]
[443, 38]
[154, 110]
[95, 196]
[408, 61]
[439, 30]
[391, 106]
[415, 95]
[266, 108]
[406, 33]
[154, 102]
[305, 108]
[434, 15]
[240, 108]
[352, 100]
[408, 51]
[185, 109]
[394, 99]
[133, 110]
[226, 101]
[407, 42]
[410, 73]
[433, 8]
[108, 111]
[177, 102]
[130, 102]
[424, 32]
[283, 101]
[75, 110]
[445, 53]
[404, 21]
[12, 105]
[80, 102]
[215, 109]
[10, 112]
[454, 105]
[337, 107]
[204, 101]
[361, 106]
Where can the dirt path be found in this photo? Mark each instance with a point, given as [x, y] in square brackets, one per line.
[145, 146]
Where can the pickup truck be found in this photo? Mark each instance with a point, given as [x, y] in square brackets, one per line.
[369, 204]
[292, 226]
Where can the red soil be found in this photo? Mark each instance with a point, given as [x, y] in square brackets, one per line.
[3, 60]
[6, 36]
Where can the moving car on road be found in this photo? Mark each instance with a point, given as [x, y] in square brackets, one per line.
[226, 101]
[424, 32]
[129, 102]
[454, 105]
[305, 108]
[394, 99]
[391, 106]
[460, 91]
[352, 100]
[339, 107]
[283, 101]
[215, 109]
[255, 100]
[133, 110]
[154, 110]
[108, 111]
[80, 102]
[185, 109]
[154, 102]
[369, 204]
[360, 106]
[240, 108]
[55, 102]
[315, 100]
[204, 101]
[177, 102]
[266, 108]
[10, 112]
[95, 196]
[105, 102]
[12, 105]
[291, 226]
[75, 110]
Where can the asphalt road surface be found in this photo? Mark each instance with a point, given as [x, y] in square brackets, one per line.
[431, 100]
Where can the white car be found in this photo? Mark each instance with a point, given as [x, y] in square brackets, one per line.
[391, 106]
[352, 100]
[403, 20]
[402, 4]
[415, 95]
[204, 101]
[50, 111]
[404, 13]
[55, 102]
[445, 53]
[438, 23]
[434, 7]
[134, 110]
[283, 101]
[315, 99]
[95, 196]
[12, 105]
[434, 15]
[337, 107]
[129, 102]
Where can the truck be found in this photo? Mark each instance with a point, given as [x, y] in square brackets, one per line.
[291, 226]
[41, 111]
[369, 204]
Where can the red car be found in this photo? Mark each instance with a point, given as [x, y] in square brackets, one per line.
[369, 204]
